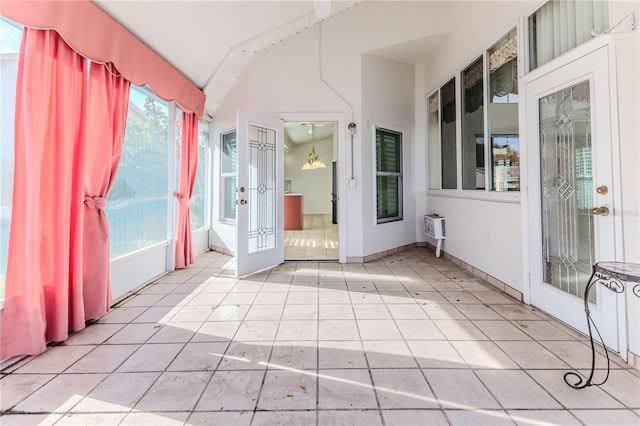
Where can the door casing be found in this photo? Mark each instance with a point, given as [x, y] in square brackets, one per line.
[530, 171]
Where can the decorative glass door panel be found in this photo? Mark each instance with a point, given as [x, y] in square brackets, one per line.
[262, 189]
[570, 218]
[567, 186]
[260, 193]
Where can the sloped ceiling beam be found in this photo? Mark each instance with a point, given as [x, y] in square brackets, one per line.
[237, 60]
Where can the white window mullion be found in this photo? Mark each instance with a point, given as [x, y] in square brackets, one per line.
[488, 164]
[459, 107]
[172, 185]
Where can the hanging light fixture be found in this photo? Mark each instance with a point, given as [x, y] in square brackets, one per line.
[314, 161]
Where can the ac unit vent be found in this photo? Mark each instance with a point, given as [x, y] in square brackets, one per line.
[434, 227]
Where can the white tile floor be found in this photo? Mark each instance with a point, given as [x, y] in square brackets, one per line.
[406, 340]
[318, 239]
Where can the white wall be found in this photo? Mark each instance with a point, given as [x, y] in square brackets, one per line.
[314, 185]
[483, 233]
[494, 227]
[387, 101]
[627, 46]
[286, 79]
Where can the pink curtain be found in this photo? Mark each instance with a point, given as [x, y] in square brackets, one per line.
[188, 166]
[107, 105]
[43, 295]
[95, 35]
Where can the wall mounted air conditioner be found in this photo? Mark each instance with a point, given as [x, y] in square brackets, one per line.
[434, 227]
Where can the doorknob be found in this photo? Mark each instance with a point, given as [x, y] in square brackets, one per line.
[600, 211]
[243, 202]
[602, 190]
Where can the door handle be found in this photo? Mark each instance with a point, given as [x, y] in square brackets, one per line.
[600, 211]
[243, 202]
[602, 190]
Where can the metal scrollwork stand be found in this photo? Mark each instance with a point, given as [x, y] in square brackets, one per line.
[611, 275]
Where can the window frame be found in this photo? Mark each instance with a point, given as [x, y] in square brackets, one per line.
[399, 175]
[171, 184]
[9, 55]
[206, 163]
[463, 124]
[488, 193]
[223, 177]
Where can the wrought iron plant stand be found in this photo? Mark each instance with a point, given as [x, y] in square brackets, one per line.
[613, 276]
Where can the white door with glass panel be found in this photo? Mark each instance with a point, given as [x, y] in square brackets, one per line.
[571, 194]
[260, 193]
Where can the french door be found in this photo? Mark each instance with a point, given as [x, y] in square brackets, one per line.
[571, 193]
[260, 193]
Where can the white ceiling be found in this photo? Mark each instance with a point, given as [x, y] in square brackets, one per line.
[212, 42]
[298, 133]
[412, 52]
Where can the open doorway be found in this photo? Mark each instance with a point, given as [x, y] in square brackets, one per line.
[310, 204]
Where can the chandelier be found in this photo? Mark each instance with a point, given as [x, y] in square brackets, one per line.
[314, 161]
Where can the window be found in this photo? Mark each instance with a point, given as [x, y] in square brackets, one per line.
[489, 90]
[10, 36]
[561, 25]
[388, 175]
[199, 198]
[433, 136]
[228, 177]
[473, 175]
[503, 114]
[177, 143]
[137, 207]
[448, 144]
[505, 159]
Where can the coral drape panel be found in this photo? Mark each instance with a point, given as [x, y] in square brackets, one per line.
[107, 106]
[95, 35]
[188, 166]
[43, 296]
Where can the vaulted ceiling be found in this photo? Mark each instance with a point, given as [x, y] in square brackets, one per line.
[213, 42]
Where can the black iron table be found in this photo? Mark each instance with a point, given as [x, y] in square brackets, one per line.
[612, 275]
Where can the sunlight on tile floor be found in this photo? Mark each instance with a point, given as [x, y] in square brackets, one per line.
[318, 239]
[406, 340]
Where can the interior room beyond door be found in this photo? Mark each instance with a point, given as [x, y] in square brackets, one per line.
[311, 230]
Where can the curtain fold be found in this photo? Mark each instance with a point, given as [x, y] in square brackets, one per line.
[44, 294]
[560, 25]
[97, 36]
[107, 106]
[188, 167]
[504, 80]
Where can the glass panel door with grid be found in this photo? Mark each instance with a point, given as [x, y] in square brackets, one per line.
[260, 193]
[569, 159]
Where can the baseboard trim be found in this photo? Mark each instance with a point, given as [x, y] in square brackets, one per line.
[222, 250]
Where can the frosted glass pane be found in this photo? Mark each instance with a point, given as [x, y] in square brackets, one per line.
[567, 188]
[262, 189]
